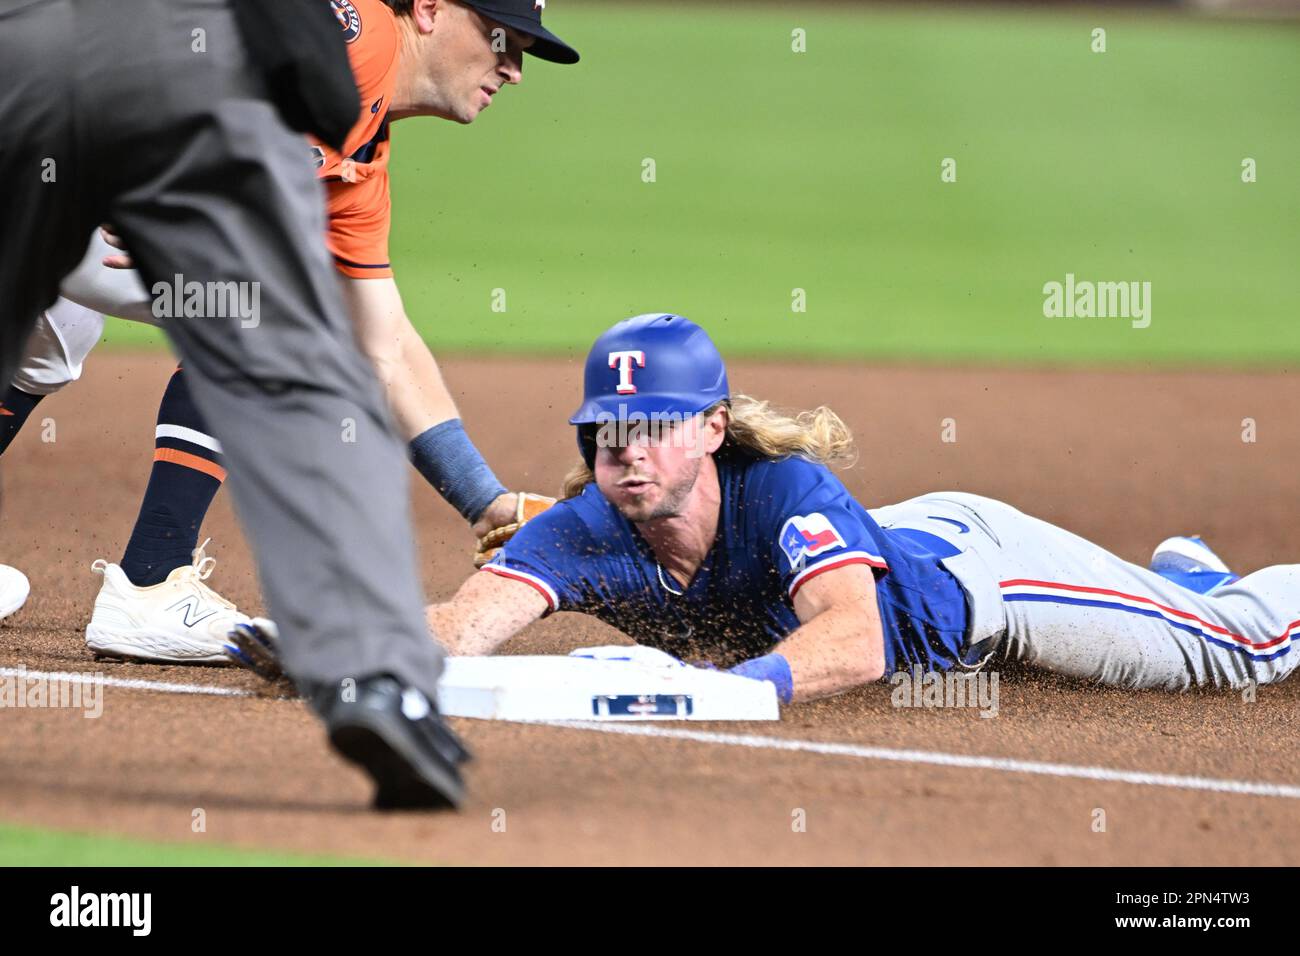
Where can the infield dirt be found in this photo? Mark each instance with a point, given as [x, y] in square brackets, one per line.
[1124, 458]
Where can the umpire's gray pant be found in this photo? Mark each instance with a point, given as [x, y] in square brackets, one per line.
[144, 113]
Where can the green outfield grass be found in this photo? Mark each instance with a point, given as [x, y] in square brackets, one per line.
[23, 846]
[820, 170]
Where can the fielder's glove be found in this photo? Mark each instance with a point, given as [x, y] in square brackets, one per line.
[528, 508]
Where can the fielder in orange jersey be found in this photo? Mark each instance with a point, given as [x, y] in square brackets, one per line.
[444, 58]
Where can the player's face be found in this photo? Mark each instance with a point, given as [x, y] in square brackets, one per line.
[470, 60]
[649, 474]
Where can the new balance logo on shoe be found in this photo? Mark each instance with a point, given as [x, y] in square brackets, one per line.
[190, 606]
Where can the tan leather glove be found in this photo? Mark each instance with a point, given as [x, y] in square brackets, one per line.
[529, 507]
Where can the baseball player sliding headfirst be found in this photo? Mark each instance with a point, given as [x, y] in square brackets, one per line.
[710, 526]
[444, 58]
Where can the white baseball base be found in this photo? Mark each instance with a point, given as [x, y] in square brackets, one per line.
[580, 688]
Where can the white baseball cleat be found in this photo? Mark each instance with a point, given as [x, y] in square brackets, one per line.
[181, 621]
[14, 588]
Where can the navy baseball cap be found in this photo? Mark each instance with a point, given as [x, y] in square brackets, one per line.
[525, 16]
[653, 364]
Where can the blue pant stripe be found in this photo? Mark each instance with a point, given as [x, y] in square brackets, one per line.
[1151, 612]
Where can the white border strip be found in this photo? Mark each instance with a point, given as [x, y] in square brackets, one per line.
[505, 571]
[930, 757]
[189, 435]
[87, 677]
[826, 564]
[935, 758]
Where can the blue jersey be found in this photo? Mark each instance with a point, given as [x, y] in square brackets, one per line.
[781, 523]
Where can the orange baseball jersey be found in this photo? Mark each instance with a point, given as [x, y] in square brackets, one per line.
[357, 178]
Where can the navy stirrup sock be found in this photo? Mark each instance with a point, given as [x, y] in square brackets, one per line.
[186, 474]
[14, 409]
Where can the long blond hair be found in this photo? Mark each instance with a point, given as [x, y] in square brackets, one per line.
[762, 431]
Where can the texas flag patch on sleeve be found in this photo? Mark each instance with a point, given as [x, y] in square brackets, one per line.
[806, 536]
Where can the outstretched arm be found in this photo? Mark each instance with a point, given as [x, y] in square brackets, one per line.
[417, 393]
[840, 643]
[421, 401]
[485, 613]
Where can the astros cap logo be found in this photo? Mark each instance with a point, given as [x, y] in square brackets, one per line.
[348, 17]
[623, 362]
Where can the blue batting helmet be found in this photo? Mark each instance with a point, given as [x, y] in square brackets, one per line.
[652, 364]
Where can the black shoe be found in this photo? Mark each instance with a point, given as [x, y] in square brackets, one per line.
[398, 736]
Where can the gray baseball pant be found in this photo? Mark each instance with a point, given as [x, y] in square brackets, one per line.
[1046, 597]
[146, 114]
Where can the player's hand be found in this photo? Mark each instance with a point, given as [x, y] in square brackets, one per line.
[503, 518]
[498, 514]
[124, 261]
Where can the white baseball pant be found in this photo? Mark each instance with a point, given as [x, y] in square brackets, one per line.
[67, 331]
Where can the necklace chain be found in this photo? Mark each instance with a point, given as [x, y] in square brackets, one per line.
[664, 583]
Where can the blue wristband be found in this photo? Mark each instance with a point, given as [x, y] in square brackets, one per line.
[771, 667]
[450, 462]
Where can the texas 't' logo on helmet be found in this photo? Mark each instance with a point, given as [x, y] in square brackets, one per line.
[348, 17]
[623, 362]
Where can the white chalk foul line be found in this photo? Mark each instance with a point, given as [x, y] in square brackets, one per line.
[84, 677]
[931, 757]
[1004, 764]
